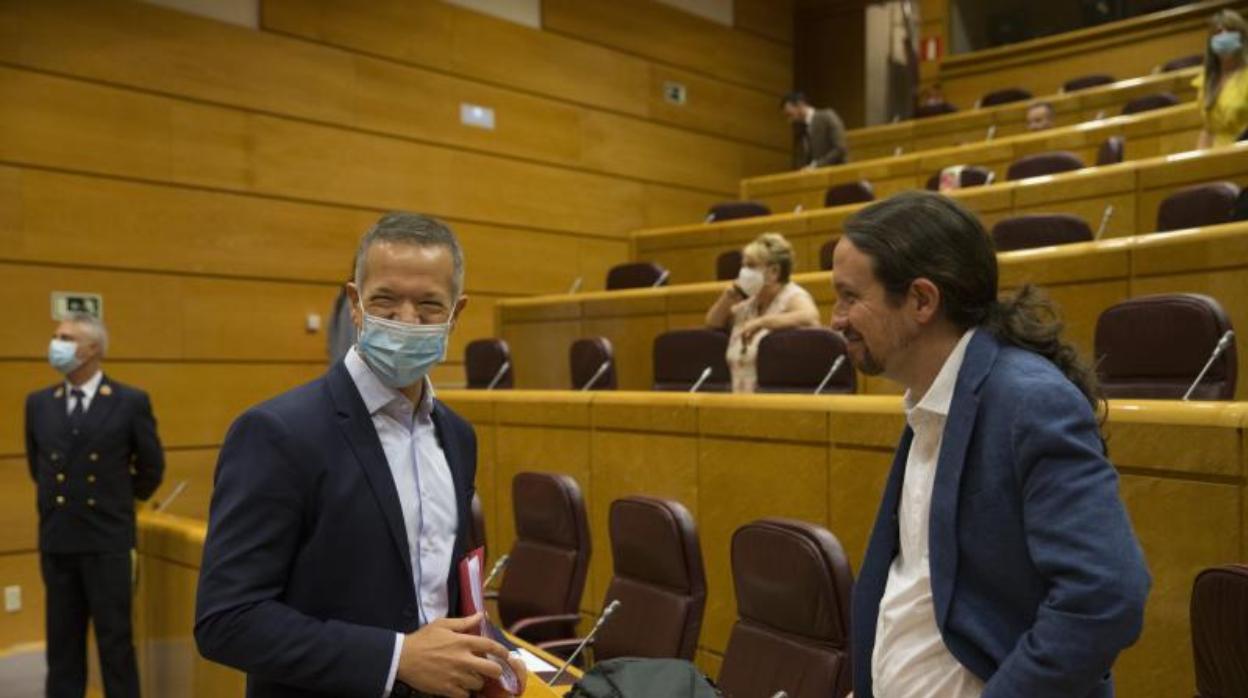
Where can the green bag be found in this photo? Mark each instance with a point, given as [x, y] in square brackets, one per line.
[629, 677]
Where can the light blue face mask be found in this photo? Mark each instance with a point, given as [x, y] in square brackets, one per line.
[400, 353]
[1226, 43]
[63, 355]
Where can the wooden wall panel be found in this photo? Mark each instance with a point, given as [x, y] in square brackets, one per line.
[772, 19]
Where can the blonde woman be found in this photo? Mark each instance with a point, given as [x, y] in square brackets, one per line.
[1223, 88]
[761, 299]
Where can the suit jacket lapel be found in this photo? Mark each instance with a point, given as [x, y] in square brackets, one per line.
[100, 408]
[455, 461]
[873, 577]
[981, 353]
[357, 426]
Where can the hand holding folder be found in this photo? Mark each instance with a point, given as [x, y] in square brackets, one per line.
[472, 602]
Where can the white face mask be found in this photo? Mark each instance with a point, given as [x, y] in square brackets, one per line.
[750, 281]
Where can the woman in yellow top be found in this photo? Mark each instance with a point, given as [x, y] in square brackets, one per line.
[1224, 85]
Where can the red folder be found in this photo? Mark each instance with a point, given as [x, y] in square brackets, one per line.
[472, 600]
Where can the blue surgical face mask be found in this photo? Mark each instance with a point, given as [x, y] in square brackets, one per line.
[1226, 43]
[63, 355]
[400, 353]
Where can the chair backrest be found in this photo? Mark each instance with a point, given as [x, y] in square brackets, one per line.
[659, 581]
[1153, 347]
[550, 558]
[849, 193]
[477, 537]
[635, 275]
[923, 111]
[586, 357]
[680, 357]
[1219, 616]
[728, 265]
[1004, 96]
[483, 358]
[826, 251]
[1112, 151]
[797, 360]
[970, 176]
[1159, 100]
[1083, 82]
[732, 210]
[1182, 62]
[1043, 164]
[1039, 230]
[793, 583]
[1202, 204]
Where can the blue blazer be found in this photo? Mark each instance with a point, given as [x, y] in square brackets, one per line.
[1037, 578]
[306, 576]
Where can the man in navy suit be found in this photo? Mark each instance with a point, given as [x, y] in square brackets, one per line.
[92, 448]
[1002, 562]
[341, 508]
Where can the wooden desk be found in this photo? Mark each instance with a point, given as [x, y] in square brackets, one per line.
[971, 125]
[1135, 189]
[1083, 278]
[732, 459]
[1147, 135]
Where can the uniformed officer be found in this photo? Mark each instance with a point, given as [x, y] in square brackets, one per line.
[92, 448]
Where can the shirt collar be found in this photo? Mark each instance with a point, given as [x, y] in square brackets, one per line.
[89, 388]
[377, 395]
[939, 396]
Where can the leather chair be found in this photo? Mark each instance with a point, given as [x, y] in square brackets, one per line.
[1219, 617]
[1153, 347]
[1202, 204]
[733, 210]
[1039, 230]
[826, 251]
[658, 579]
[483, 358]
[797, 360]
[680, 357]
[636, 275]
[849, 193]
[1182, 62]
[1112, 151]
[540, 595]
[1160, 100]
[586, 357]
[728, 265]
[1084, 82]
[923, 111]
[1043, 164]
[1004, 96]
[793, 583]
[970, 176]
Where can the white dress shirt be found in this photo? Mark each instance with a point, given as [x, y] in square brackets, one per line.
[425, 487]
[88, 389]
[910, 659]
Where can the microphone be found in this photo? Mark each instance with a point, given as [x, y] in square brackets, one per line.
[797, 208]
[992, 131]
[780, 694]
[1223, 344]
[836, 365]
[897, 151]
[597, 374]
[576, 285]
[710, 218]
[606, 613]
[706, 373]
[177, 490]
[498, 567]
[502, 371]
[661, 280]
[1109, 213]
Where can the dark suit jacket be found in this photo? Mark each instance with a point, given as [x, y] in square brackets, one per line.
[86, 483]
[823, 141]
[1037, 578]
[306, 576]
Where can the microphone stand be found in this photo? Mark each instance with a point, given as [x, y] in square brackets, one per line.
[606, 613]
[597, 374]
[706, 373]
[1223, 344]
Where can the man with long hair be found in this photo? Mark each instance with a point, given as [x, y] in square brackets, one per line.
[1002, 562]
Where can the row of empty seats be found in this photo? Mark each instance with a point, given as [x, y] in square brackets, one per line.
[792, 581]
[1151, 347]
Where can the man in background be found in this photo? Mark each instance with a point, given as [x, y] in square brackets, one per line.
[1040, 117]
[92, 448]
[820, 133]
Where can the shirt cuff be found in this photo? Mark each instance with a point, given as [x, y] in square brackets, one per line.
[394, 664]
